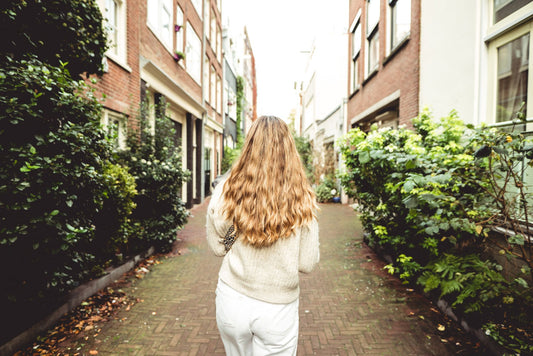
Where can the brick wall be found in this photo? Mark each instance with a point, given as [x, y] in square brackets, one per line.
[398, 71]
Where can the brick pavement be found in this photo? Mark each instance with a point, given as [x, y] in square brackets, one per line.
[349, 305]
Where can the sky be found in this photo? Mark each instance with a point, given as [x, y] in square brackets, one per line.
[281, 33]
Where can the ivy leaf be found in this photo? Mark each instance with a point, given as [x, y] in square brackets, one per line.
[517, 239]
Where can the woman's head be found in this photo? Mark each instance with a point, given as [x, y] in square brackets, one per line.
[267, 193]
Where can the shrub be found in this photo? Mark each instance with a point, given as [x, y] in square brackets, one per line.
[55, 31]
[55, 180]
[430, 199]
[156, 162]
[326, 190]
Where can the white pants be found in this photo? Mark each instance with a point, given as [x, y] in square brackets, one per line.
[252, 327]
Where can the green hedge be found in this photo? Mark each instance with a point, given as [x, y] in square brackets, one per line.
[430, 197]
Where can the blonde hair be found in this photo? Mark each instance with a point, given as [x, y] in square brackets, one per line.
[267, 194]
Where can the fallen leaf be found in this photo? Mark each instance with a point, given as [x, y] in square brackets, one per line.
[441, 327]
[93, 352]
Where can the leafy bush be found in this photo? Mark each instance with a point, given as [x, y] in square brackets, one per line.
[56, 180]
[230, 155]
[430, 199]
[326, 190]
[156, 162]
[54, 31]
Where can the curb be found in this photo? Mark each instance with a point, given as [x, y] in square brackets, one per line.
[75, 298]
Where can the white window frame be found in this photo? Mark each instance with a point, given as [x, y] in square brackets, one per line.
[493, 46]
[193, 54]
[179, 45]
[118, 49]
[356, 38]
[372, 34]
[111, 117]
[391, 43]
[156, 12]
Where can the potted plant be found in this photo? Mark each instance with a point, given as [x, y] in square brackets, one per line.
[177, 28]
[178, 56]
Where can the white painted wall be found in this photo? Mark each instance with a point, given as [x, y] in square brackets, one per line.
[450, 57]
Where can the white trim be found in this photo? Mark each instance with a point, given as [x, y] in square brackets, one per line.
[513, 22]
[212, 124]
[385, 101]
[162, 83]
[355, 20]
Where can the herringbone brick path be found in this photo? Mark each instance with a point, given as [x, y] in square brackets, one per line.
[348, 305]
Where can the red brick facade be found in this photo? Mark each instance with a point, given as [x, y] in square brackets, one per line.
[392, 90]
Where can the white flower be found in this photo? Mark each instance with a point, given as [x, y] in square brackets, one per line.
[149, 163]
[134, 159]
[333, 191]
[143, 160]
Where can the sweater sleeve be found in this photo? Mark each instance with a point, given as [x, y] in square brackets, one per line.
[216, 225]
[309, 247]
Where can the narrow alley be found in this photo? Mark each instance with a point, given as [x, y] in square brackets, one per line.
[349, 305]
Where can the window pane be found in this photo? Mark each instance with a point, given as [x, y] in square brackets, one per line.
[111, 17]
[179, 34]
[166, 24]
[373, 52]
[401, 21]
[198, 6]
[513, 62]
[356, 40]
[355, 74]
[372, 15]
[152, 12]
[504, 8]
[193, 56]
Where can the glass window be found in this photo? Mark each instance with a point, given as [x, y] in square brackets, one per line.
[179, 33]
[373, 52]
[400, 20]
[160, 20]
[504, 8]
[206, 79]
[115, 125]
[212, 99]
[513, 63]
[111, 17]
[193, 55]
[356, 49]
[372, 15]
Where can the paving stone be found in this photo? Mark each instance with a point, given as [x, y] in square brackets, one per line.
[348, 306]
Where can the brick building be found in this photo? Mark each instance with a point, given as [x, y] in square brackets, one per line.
[169, 54]
[384, 48]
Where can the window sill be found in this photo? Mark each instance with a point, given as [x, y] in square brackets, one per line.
[355, 92]
[119, 62]
[370, 76]
[397, 49]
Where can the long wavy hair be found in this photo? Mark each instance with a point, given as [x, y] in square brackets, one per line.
[267, 194]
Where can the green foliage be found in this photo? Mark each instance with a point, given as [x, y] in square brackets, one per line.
[306, 154]
[240, 99]
[429, 197]
[326, 190]
[155, 161]
[230, 155]
[56, 182]
[56, 31]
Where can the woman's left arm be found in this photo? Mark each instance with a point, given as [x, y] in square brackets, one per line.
[309, 247]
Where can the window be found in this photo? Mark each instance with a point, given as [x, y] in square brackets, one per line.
[219, 95]
[400, 16]
[206, 78]
[372, 26]
[513, 69]
[115, 125]
[114, 13]
[212, 99]
[356, 50]
[160, 20]
[193, 55]
[213, 36]
[504, 8]
[179, 34]
[198, 6]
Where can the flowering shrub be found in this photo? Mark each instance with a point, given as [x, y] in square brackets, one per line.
[326, 190]
[431, 198]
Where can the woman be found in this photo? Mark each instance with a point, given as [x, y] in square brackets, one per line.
[273, 209]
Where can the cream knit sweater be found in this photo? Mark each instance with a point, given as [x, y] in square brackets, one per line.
[269, 274]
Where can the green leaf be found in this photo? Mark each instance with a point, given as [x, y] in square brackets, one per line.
[516, 239]
[521, 281]
[364, 157]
